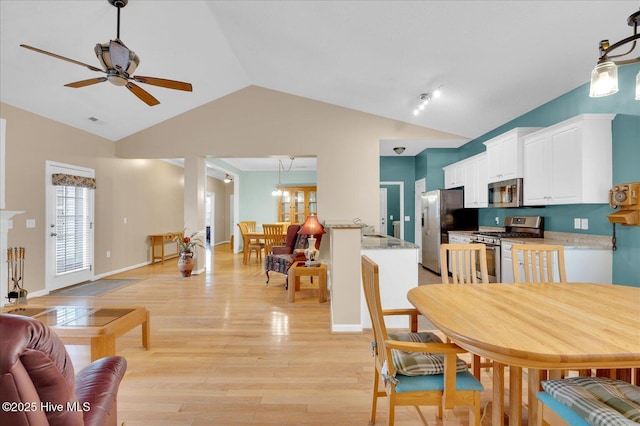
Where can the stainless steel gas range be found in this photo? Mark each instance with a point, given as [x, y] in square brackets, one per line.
[514, 227]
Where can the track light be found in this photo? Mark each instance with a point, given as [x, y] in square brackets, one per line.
[425, 98]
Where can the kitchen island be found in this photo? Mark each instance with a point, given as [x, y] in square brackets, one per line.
[398, 271]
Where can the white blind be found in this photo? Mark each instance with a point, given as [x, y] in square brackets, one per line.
[73, 228]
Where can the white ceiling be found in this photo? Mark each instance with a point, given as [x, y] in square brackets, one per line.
[495, 60]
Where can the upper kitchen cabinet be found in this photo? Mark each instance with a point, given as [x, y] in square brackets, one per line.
[475, 187]
[570, 162]
[454, 175]
[505, 155]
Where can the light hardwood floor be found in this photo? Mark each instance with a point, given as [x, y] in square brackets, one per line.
[228, 350]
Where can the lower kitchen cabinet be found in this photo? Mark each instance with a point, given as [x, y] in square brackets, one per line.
[583, 264]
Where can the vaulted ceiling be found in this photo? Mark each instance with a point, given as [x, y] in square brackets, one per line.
[494, 60]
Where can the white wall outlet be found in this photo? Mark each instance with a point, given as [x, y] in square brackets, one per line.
[497, 220]
[124, 220]
[31, 223]
[390, 217]
[108, 254]
[577, 223]
[584, 223]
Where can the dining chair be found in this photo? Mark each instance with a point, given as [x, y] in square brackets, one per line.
[415, 368]
[542, 263]
[249, 245]
[273, 236]
[465, 262]
[251, 225]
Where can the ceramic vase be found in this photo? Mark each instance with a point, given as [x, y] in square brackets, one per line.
[186, 263]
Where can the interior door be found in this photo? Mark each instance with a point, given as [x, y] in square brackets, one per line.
[382, 226]
[69, 228]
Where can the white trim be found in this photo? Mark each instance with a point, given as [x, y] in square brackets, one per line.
[3, 137]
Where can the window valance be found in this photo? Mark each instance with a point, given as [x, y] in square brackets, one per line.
[62, 179]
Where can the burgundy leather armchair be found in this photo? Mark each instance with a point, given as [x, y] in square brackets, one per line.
[282, 257]
[38, 386]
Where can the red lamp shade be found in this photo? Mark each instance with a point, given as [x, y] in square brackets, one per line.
[312, 226]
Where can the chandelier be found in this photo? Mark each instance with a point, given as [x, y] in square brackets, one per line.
[277, 192]
[604, 77]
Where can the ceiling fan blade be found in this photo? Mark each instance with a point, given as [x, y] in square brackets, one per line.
[142, 94]
[163, 82]
[73, 61]
[84, 83]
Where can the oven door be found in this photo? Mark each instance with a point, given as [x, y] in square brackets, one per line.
[493, 264]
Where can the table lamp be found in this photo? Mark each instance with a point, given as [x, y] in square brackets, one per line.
[311, 227]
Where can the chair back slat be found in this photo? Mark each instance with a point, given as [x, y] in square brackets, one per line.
[465, 261]
[540, 263]
[273, 236]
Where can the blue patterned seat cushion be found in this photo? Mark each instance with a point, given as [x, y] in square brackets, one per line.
[598, 400]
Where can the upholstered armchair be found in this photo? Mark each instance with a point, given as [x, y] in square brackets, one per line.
[282, 257]
[38, 380]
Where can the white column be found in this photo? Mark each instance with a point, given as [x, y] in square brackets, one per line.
[194, 196]
[5, 221]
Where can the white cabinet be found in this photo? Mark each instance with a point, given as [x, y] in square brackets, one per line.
[582, 264]
[475, 184]
[570, 162]
[505, 157]
[454, 175]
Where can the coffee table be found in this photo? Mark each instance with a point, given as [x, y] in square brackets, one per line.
[99, 327]
[299, 269]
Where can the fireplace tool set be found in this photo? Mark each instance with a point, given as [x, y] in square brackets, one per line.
[15, 275]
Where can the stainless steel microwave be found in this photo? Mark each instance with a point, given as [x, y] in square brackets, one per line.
[507, 193]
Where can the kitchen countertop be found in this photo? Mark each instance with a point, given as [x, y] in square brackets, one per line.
[566, 239]
[378, 241]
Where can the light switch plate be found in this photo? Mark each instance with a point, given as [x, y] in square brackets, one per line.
[407, 218]
[577, 224]
[31, 223]
[584, 223]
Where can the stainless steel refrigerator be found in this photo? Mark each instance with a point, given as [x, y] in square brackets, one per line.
[443, 211]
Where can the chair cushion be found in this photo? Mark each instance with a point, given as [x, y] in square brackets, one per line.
[566, 413]
[420, 363]
[464, 382]
[600, 401]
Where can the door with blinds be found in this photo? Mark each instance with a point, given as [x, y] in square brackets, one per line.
[69, 228]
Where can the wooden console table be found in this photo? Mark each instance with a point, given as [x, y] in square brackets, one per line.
[157, 246]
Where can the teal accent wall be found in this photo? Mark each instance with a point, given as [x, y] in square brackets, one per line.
[626, 167]
[400, 169]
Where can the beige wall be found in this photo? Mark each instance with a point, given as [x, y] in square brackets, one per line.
[259, 122]
[135, 189]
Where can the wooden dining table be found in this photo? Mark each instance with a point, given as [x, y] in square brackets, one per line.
[540, 327]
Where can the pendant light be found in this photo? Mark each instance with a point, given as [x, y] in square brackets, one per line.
[604, 77]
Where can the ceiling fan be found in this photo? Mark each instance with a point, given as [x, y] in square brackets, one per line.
[118, 63]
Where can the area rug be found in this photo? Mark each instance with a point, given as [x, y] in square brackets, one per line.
[93, 288]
